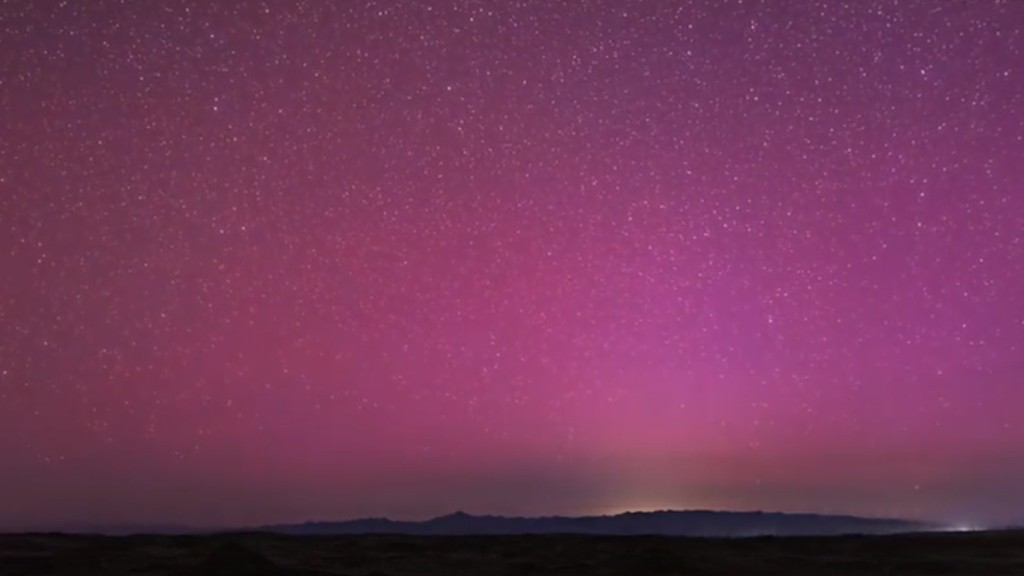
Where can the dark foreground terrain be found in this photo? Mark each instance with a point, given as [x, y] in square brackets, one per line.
[264, 554]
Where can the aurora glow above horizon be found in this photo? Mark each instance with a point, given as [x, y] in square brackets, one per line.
[272, 261]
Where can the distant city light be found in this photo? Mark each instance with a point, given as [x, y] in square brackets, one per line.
[964, 527]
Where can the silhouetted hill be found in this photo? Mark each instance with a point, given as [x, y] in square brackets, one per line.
[667, 523]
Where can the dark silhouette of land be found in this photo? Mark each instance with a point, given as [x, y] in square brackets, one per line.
[661, 523]
[265, 554]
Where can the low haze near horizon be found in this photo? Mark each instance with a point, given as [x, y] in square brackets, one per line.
[287, 260]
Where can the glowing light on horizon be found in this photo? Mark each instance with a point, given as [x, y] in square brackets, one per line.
[965, 528]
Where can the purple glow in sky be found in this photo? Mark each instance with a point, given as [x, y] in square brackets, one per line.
[288, 260]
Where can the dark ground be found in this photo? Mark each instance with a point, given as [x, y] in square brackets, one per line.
[978, 553]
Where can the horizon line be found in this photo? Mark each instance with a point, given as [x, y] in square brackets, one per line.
[142, 528]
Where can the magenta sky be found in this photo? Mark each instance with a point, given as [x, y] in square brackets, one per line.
[274, 261]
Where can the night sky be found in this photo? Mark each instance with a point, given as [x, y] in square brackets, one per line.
[280, 261]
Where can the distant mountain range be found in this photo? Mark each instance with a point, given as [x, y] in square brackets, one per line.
[667, 523]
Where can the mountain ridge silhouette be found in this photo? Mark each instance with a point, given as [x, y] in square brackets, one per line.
[660, 522]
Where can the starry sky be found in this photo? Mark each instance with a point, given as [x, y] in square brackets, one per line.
[271, 261]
